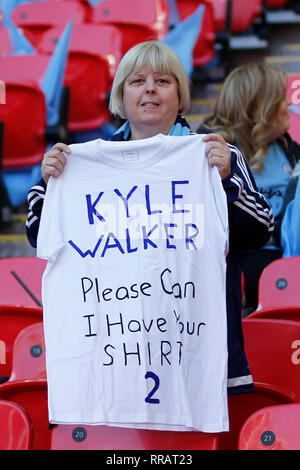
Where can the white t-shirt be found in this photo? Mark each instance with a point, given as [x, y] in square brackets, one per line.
[136, 237]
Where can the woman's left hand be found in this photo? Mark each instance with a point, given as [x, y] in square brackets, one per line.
[218, 154]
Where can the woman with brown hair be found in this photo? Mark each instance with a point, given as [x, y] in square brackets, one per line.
[252, 113]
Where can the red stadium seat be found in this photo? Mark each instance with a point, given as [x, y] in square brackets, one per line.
[73, 437]
[275, 3]
[278, 290]
[235, 26]
[87, 6]
[21, 281]
[37, 17]
[220, 9]
[279, 313]
[13, 319]
[241, 406]
[28, 356]
[16, 427]
[244, 13]
[204, 50]
[273, 351]
[94, 54]
[138, 21]
[24, 114]
[32, 396]
[272, 428]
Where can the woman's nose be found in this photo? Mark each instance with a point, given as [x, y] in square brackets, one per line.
[150, 87]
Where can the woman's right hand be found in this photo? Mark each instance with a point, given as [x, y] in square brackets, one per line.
[54, 161]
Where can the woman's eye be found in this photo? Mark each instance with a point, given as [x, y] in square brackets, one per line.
[137, 80]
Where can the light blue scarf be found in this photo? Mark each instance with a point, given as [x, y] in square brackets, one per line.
[180, 128]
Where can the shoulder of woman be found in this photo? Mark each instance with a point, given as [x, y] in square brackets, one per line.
[203, 129]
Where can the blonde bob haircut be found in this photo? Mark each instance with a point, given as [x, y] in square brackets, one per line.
[160, 58]
[244, 110]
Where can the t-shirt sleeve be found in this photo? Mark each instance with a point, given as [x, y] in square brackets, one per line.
[50, 235]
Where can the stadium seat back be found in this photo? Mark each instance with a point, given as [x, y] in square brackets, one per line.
[32, 396]
[275, 3]
[272, 428]
[241, 406]
[137, 21]
[279, 285]
[13, 319]
[21, 281]
[273, 351]
[78, 437]
[204, 50]
[24, 114]
[94, 54]
[30, 67]
[28, 356]
[16, 428]
[87, 80]
[244, 13]
[100, 40]
[280, 313]
[87, 7]
[23, 119]
[220, 14]
[37, 17]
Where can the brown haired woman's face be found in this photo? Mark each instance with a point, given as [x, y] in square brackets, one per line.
[281, 119]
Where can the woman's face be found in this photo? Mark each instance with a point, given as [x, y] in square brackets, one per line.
[281, 119]
[151, 102]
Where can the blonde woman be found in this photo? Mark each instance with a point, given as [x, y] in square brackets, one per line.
[151, 91]
[251, 112]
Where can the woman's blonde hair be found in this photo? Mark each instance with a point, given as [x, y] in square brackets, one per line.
[158, 56]
[243, 112]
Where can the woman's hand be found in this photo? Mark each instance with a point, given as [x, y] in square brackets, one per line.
[54, 161]
[218, 154]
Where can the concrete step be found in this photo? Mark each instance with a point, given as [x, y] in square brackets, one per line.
[282, 17]
[247, 42]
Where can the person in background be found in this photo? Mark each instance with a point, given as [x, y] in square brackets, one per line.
[151, 92]
[252, 112]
